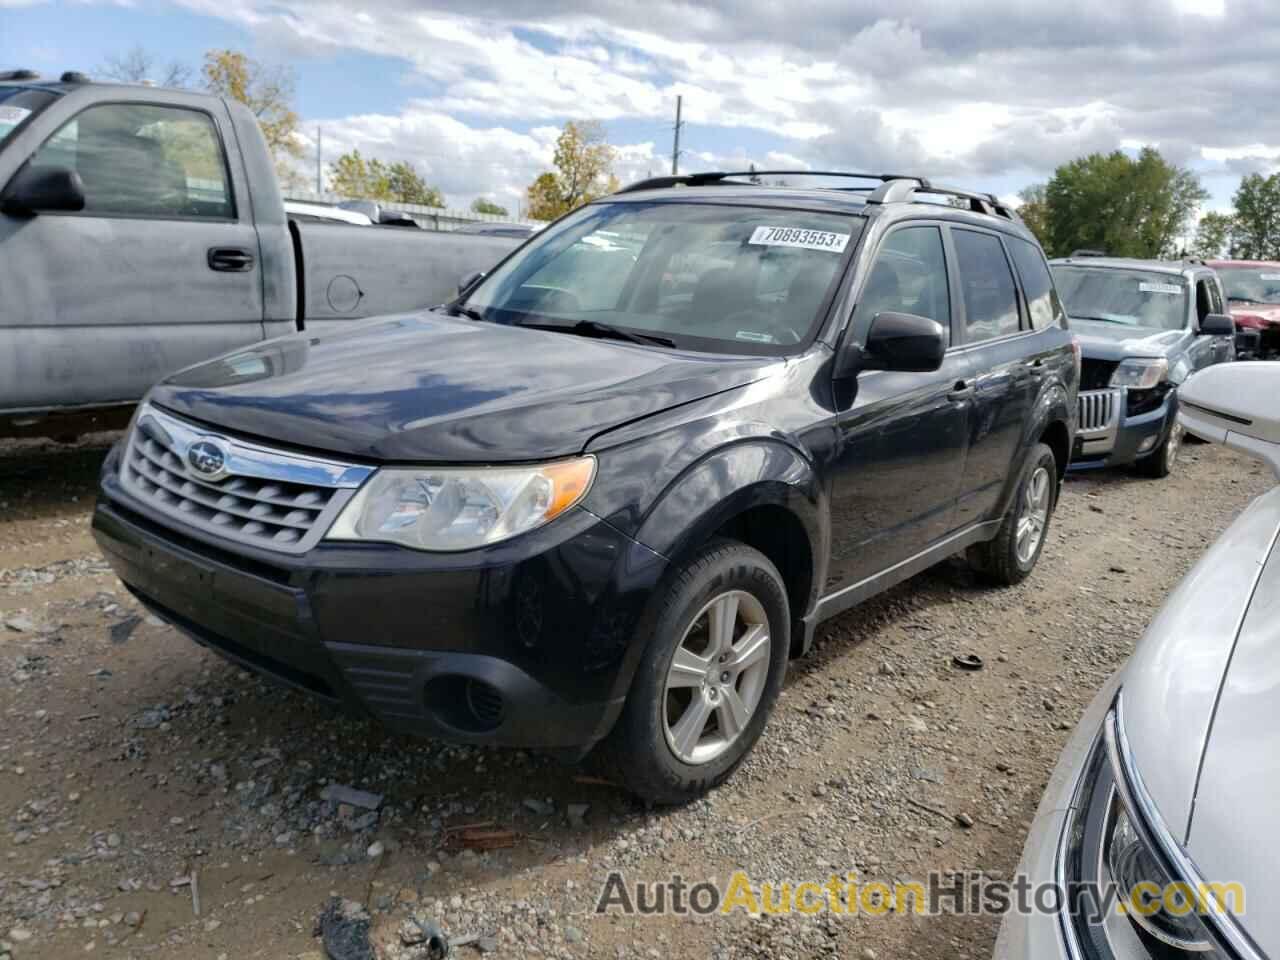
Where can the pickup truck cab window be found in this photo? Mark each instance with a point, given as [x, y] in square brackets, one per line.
[706, 277]
[142, 160]
[990, 296]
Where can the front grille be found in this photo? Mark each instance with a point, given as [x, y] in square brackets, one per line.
[266, 498]
[1098, 410]
[1096, 374]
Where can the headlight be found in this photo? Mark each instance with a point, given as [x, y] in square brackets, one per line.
[1116, 852]
[460, 508]
[1140, 374]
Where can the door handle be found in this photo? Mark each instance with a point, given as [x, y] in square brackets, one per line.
[230, 259]
[962, 390]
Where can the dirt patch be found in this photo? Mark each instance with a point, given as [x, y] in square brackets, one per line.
[133, 761]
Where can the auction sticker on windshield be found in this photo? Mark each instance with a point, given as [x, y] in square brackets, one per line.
[1170, 288]
[800, 237]
[10, 117]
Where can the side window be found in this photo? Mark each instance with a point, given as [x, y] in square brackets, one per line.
[909, 276]
[144, 161]
[1204, 299]
[990, 297]
[1037, 284]
[1215, 296]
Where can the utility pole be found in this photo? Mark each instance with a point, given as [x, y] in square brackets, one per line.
[675, 145]
[319, 154]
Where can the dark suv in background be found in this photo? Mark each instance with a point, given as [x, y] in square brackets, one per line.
[614, 486]
[1144, 327]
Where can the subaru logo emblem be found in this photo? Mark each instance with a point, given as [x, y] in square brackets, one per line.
[208, 458]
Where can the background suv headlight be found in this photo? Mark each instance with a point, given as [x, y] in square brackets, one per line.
[1140, 374]
[1169, 912]
[461, 508]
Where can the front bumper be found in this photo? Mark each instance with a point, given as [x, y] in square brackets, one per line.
[528, 643]
[1039, 935]
[1116, 438]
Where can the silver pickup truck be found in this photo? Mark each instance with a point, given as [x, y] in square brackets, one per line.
[143, 230]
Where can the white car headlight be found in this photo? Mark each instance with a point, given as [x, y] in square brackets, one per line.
[461, 508]
[1140, 374]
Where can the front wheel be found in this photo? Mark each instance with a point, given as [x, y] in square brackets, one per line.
[1012, 555]
[710, 674]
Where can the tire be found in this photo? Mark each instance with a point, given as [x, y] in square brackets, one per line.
[1005, 560]
[1162, 460]
[649, 750]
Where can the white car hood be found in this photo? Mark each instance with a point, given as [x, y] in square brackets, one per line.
[1234, 834]
[1188, 656]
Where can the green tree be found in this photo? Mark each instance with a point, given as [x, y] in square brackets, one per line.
[486, 206]
[1034, 211]
[266, 91]
[1255, 228]
[406, 186]
[1128, 207]
[356, 178]
[584, 172]
[1213, 233]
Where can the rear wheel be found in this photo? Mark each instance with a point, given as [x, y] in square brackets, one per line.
[1012, 555]
[1164, 458]
[710, 674]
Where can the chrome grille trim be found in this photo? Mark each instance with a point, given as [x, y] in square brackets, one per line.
[1099, 410]
[263, 497]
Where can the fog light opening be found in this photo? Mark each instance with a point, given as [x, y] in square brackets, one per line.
[465, 703]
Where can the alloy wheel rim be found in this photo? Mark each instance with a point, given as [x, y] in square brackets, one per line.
[717, 677]
[1034, 515]
[1172, 446]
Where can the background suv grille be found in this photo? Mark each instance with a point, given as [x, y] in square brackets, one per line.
[266, 498]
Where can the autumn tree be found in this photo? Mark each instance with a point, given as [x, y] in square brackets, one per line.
[266, 91]
[486, 206]
[140, 65]
[584, 172]
[1034, 211]
[359, 179]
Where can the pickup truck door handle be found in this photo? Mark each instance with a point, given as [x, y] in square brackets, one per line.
[962, 390]
[230, 259]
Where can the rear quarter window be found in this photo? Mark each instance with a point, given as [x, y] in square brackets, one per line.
[1037, 283]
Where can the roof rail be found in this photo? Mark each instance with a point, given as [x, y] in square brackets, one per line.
[711, 178]
[19, 75]
[1088, 253]
[893, 188]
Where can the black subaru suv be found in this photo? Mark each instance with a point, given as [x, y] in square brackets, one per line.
[608, 492]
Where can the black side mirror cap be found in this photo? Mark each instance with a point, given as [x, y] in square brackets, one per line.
[1217, 325]
[898, 341]
[36, 189]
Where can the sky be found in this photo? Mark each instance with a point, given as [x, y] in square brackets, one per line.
[989, 94]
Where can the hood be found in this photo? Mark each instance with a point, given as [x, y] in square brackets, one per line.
[1256, 315]
[433, 388]
[1171, 686]
[1233, 835]
[1114, 341]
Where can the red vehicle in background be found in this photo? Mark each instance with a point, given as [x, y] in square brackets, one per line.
[1253, 295]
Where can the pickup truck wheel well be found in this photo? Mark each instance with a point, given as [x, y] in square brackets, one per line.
[1055, 436]
[781, 537]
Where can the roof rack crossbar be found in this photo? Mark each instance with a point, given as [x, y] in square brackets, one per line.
[710, 178]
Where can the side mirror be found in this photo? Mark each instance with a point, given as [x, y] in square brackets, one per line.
[34, 189]
[1234, 404]
[1217, 325]
[899, 341]
[469, 280]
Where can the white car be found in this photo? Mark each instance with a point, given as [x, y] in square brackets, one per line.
[1170, 786]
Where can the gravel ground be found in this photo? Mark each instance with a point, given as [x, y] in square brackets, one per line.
[132, 762]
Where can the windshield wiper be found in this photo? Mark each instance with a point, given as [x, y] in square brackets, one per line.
[1244, 300]
[597, 329]
[461, 310]
[1081, 316]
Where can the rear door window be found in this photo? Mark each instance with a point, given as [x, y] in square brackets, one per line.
[142, 160]
[990, 295]
[1037, 284]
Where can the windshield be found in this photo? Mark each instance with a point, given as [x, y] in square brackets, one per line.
[18, 103]
[731, 279]
[1133, 298]
[1252, 284]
